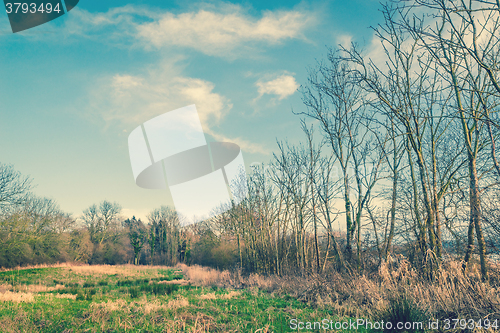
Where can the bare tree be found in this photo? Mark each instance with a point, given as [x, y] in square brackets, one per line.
[14, 188]
[338, 102]
[462, 38]
[100, 220]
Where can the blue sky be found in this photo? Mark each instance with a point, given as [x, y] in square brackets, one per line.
[73, 89]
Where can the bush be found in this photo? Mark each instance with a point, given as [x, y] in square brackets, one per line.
[134, 292]
[164, 289]
[80, 296]
[110, 252]
[72, 290]
[146, 288]
[159, 288]
[124, 283]
[141, 281]
[403, 308]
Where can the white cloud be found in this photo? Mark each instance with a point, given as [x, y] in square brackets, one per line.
[216, 33]
[116, 22]
[128, 100]
[223, 31]
[132, 99]
[376, 52]
[282, 86]
[344, 40]
[245, 145]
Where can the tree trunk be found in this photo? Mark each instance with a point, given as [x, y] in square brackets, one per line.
[475, 208]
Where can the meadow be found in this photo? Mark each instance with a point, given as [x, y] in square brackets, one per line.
[101, 298]
[125, 298]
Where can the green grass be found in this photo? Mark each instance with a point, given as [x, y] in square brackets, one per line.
[141, 302]
[29, 276]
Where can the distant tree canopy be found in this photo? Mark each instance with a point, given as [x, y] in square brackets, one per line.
[137, 234]
[13, 187]
[34, 230]
[31, 228]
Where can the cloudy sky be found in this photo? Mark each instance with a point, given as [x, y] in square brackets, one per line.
[73, 89]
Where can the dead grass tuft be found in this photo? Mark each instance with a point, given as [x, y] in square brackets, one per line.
[36, 288]
[98, 270]
[152, 307]
[17, 297]
[208, 296]
[208, 277]
[3, 269]
[68, 296]
[179, 302]
[5, 287]
[181, 282]
[230, 295]
[200, 276]
[120, 270]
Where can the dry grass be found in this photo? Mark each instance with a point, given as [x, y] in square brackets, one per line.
[181, 282]
[451, 294]
[97, 270]
[85, 268]
[179, 302]
[36, 288]
[110, 306]
[206, 277]
[153, 307]
[3, 269]
[17, 297]
[102, 270]
[21, 322]
[208, 296]
[5, 287]
[68, 296]
[229, 295]
[201, 276]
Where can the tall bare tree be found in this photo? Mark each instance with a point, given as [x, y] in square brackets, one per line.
[101, 220]
[14, 187]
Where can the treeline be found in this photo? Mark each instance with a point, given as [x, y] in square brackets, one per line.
[35, 230]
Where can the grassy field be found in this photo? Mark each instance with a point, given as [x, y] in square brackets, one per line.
[141, 299]
[82, 298]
